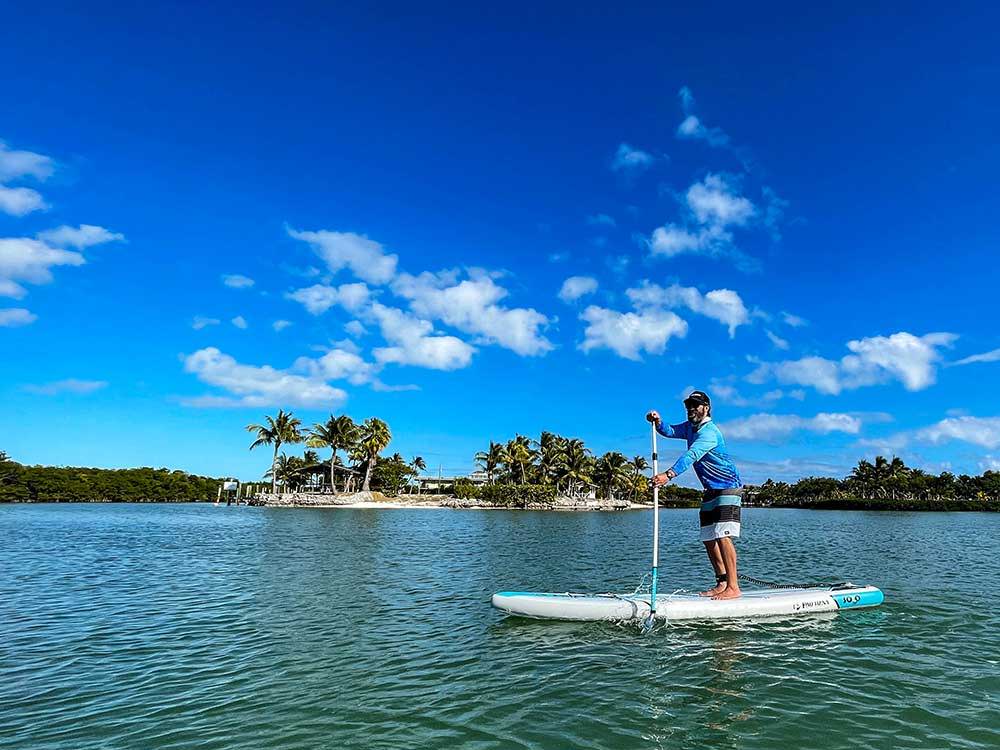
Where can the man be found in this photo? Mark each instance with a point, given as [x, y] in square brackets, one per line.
[720, 509]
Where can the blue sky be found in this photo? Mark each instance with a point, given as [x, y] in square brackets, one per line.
[480, 222]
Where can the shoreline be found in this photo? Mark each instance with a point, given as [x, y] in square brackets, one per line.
[370, 500]
[390, 504]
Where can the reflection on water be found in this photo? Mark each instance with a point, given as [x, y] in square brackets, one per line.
[183, 626]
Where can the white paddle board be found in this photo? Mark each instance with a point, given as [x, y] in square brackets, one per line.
[757, 603]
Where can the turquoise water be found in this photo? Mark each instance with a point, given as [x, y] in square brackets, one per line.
[193, 626]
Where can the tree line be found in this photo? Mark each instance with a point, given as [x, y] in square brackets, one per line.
[50, 484]
[885, 483]
[520, 471]
[572, 469]
[568, 465]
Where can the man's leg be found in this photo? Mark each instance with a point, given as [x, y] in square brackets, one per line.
[718, 565]
[727, 550]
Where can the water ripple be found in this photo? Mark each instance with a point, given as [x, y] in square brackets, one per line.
[186, 626]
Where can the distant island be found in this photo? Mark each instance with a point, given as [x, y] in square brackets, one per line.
[551, 472]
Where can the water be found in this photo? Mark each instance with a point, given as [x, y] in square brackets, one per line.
[192, 626]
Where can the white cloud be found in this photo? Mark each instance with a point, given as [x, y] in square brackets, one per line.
[600, 220]
[240, 322]
[902, 356]
[990, 463]
[353, 296]
[257, 386]
[319, 298]
[23, 259]
[691, 127]
[471, 306]
[775, 426]
[981, 431]
[790, 469]
[630, 334]
[711, 208]
[11, 317]
[779, 343]
[414, 344]
[821, 374]
[673, 239]
[577, 286]
[908, 358]
[355, 328]
[9, 289]
[628, 159]
[280, 325]
[237, 281]
[67, 386]
[17, 164]
[84, 236]
[337, 364]
[723, 305]
[794, 320]
[200, 322]
[365, 258]
[432, 352]
[378, 385]
[20, 201]
[714, 201]
[345, 344]
[991, 356]
[728, 394]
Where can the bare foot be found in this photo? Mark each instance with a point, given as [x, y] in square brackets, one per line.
[717, 589]
[728, 594]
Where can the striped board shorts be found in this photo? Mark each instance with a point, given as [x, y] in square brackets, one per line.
[720, 514]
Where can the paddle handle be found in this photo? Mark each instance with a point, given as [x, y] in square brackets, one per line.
[656, 526]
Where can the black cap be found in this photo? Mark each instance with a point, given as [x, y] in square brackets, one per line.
[698, 397]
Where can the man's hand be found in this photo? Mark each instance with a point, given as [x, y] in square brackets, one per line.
[653, 416]
[661, 479]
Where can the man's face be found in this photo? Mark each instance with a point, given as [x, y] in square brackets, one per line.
[696, 412]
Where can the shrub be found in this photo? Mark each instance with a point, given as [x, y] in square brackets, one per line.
[517, 495]
[465, 490]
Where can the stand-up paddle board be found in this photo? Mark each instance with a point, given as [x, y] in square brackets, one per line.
[767, 603]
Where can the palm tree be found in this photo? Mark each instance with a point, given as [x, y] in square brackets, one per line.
[279, 430]
[863, 475]
[310, 465]
[577, 465]
[897, 473]
[374, 438]
[639, 465]
[518, 453]
[610, 471]
[490, 459]
[337, 433]
[418, 465]
[287, 470]
[551, 449]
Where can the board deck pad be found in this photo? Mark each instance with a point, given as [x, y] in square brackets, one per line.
[617, 607]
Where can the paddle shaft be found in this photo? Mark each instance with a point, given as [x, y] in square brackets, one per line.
[656, 528]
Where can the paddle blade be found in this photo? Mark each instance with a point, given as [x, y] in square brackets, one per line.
[647, 625]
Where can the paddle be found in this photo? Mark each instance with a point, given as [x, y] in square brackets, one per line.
[647, 625]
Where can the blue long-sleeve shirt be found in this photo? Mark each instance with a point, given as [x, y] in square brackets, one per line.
[706, 452]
